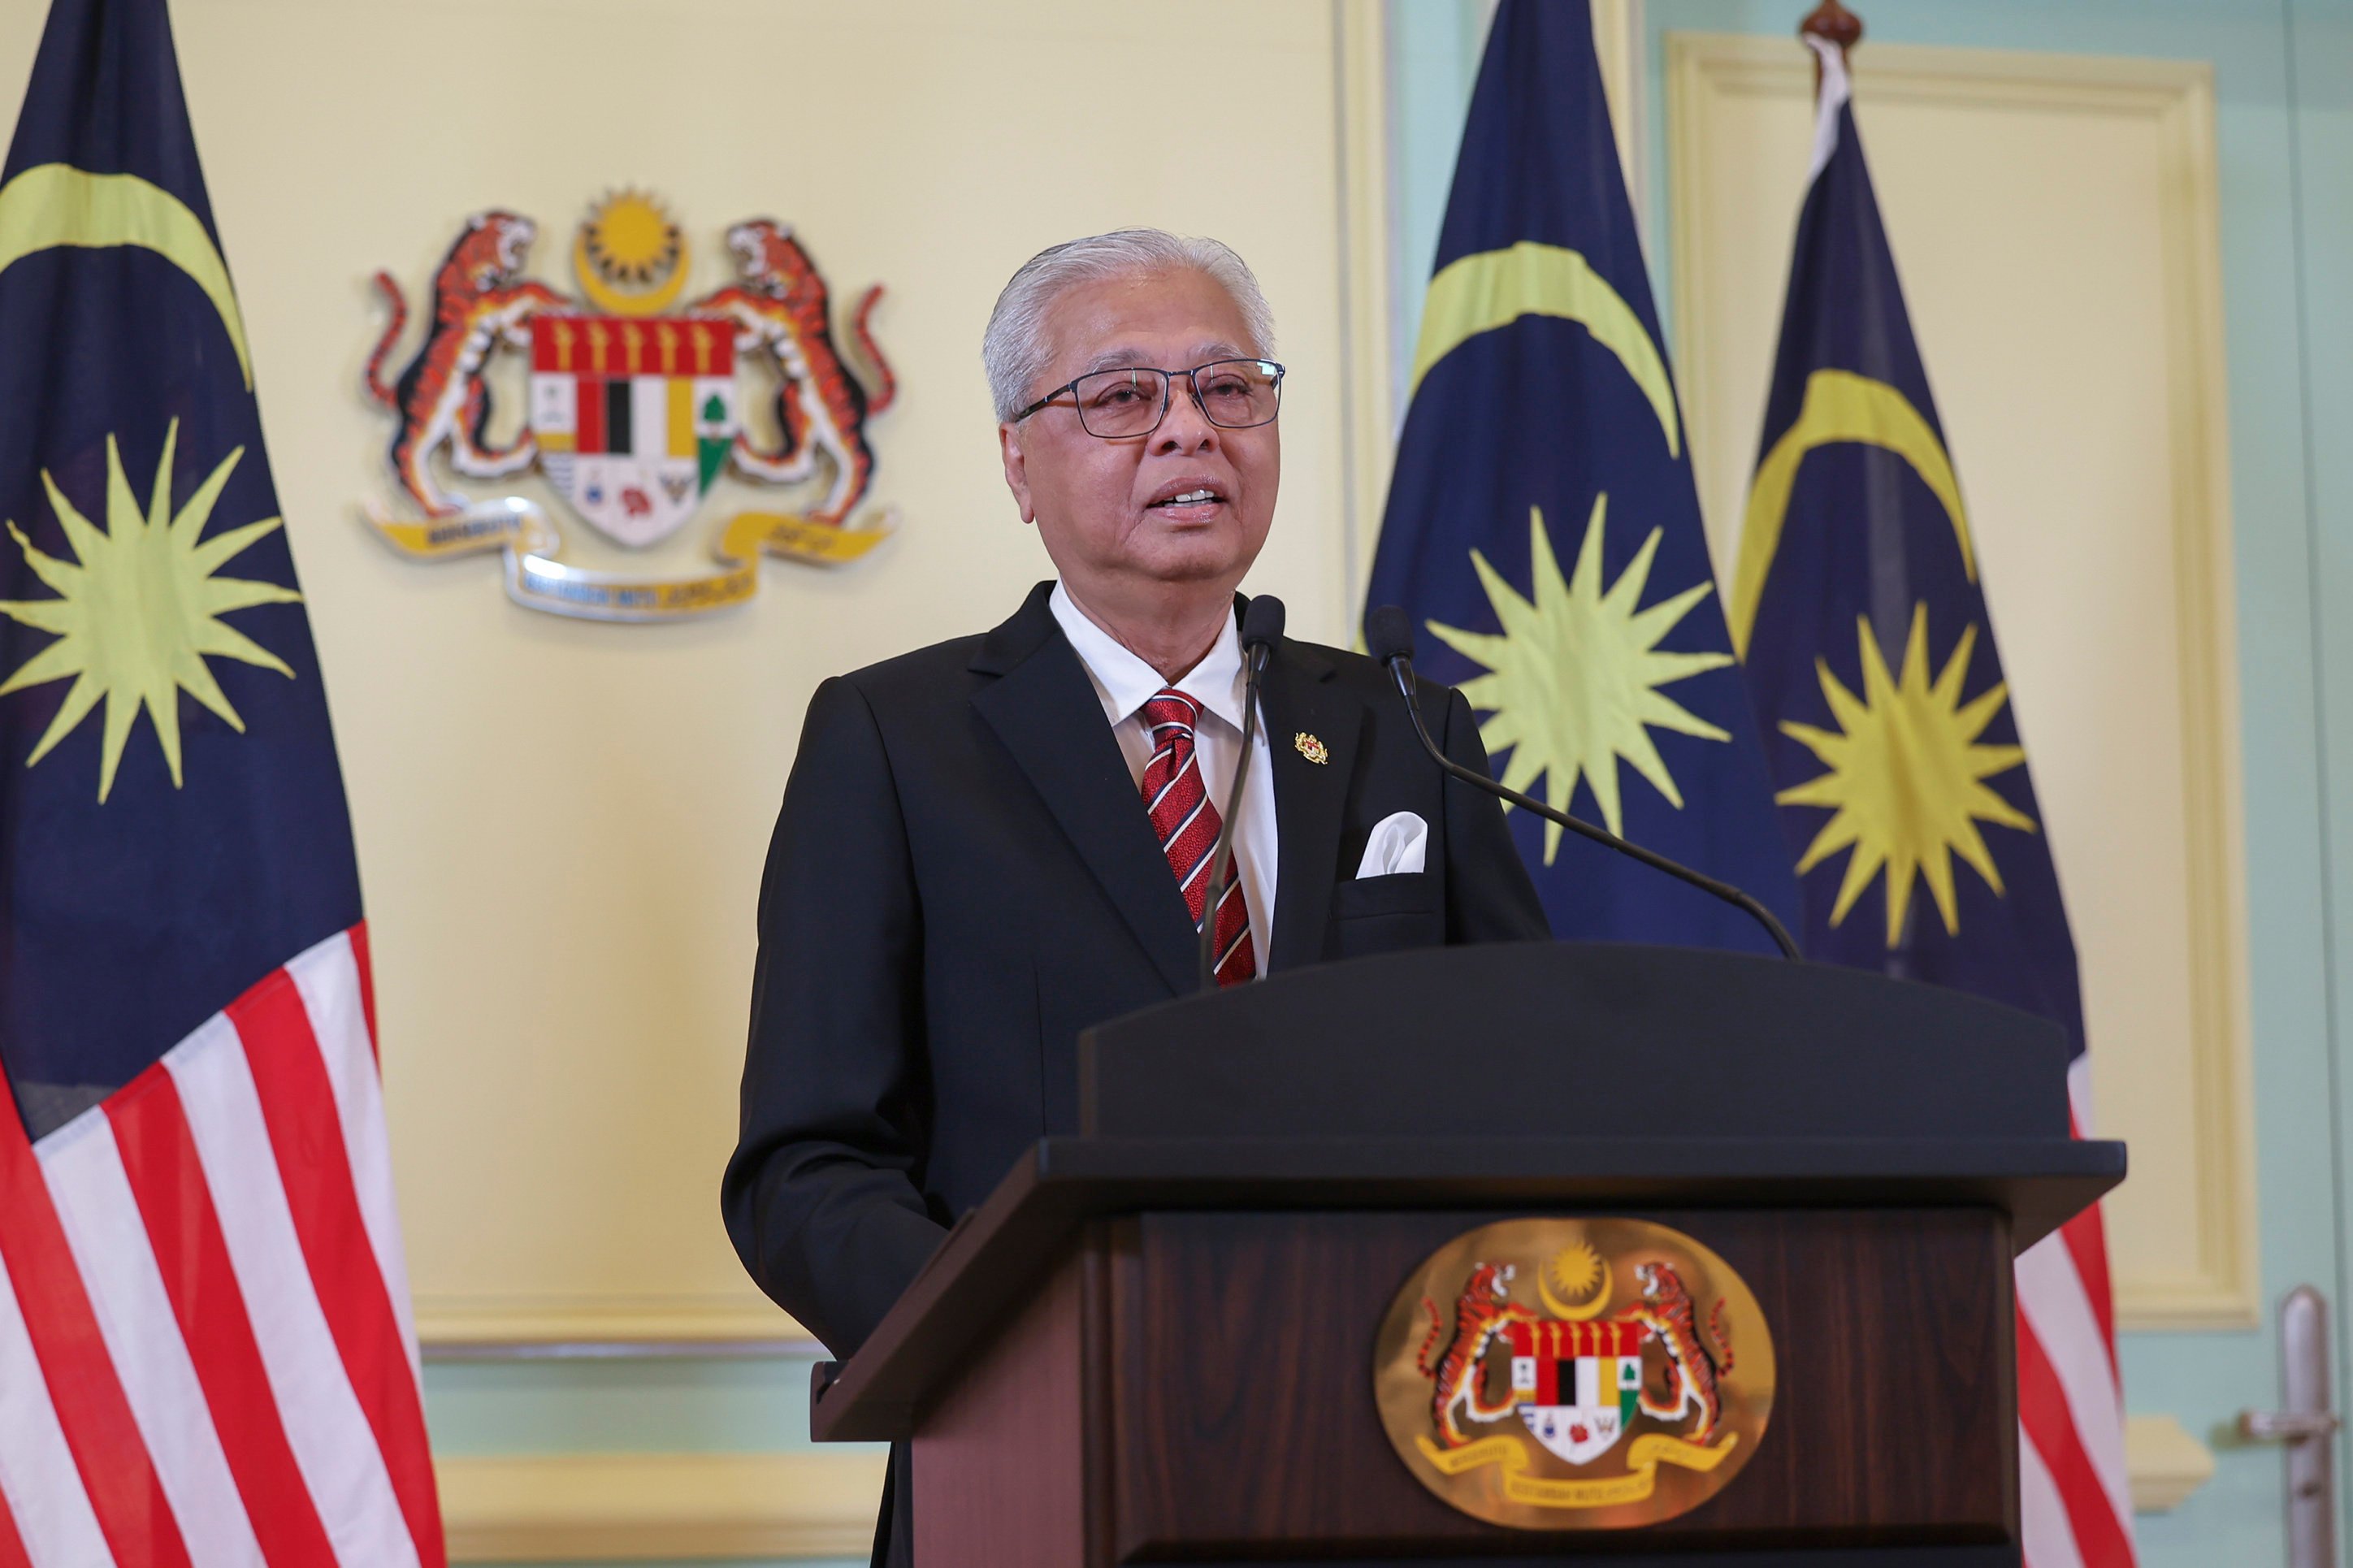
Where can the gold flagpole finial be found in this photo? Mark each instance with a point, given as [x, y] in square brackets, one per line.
[1833, 23]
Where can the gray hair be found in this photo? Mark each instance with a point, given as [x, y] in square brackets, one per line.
[1014, 350]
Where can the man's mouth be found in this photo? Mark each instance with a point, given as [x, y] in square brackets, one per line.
[1200, 495]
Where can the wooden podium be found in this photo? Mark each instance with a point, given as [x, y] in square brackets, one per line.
[1155, 1342]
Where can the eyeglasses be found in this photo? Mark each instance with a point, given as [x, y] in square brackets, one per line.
[1118, 405]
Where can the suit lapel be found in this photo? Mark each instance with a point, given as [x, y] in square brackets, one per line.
[1045, 710]
[1299, 699]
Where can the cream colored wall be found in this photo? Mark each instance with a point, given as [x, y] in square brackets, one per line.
[2053, 220]
[560, 823]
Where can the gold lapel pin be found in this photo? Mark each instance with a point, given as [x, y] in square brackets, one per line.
[1311, 748]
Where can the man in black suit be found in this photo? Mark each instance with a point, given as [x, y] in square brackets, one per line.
[989, 845]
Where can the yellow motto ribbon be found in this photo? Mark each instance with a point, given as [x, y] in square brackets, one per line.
[53, 204]
[1479, 293]
[537, 579]
[1838, 406]
[1643, 1458]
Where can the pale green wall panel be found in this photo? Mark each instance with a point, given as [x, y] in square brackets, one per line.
[714, 1405]
[618, 1405]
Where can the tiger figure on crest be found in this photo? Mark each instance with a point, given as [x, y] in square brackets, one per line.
[781, 312]
[1694, 1371]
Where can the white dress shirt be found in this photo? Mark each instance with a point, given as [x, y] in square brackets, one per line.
[1125, 683]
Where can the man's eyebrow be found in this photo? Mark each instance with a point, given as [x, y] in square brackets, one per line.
[1132, 358]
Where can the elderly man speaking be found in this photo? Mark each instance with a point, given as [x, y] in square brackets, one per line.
[992, 844]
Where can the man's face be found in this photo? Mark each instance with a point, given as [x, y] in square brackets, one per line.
[1104, 509]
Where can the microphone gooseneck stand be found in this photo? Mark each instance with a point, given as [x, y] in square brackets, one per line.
[1390, 635]
[1261, 629]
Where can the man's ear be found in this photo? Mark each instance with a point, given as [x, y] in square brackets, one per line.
[1017, 469]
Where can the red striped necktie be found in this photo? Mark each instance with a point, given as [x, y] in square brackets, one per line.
[1178, 798]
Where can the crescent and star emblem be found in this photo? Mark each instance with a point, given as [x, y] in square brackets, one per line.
[1573, 675]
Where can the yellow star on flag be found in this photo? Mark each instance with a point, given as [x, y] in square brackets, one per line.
[136, 617]
[1572, 680]
[1907, 776]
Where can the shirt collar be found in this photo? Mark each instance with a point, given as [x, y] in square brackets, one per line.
[1126, 683]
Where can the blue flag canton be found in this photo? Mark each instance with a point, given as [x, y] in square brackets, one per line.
[1906, 802]
[1543, 528]
[174, 823]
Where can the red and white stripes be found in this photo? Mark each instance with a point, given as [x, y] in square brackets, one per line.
[2075, 1499]
[206, 1353]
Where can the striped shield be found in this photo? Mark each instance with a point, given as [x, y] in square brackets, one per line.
[1575, 1383]
[633, 416]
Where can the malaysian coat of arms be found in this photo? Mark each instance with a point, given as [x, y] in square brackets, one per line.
[633, 410]
[1573, 1374]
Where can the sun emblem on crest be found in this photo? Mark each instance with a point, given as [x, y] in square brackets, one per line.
[1575, 1274]
[139, 613]
[1907, 776]
[1572, 680]
[630, 255]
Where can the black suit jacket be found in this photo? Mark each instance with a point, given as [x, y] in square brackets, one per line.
[963, 878]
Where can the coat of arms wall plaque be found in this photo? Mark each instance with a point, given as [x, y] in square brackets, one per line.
[1573, 1374]
[634, 409]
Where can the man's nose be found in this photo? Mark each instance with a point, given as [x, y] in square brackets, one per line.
[1186, 428]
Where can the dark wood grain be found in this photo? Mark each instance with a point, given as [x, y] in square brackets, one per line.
[1241, 1356]
[1000, 1464]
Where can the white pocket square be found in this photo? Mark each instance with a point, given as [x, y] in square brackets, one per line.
[1398, 843]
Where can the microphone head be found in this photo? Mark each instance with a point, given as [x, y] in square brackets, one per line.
[1388, 634]
[1262, 621]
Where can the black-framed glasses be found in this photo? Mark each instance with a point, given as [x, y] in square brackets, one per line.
[1119, 404]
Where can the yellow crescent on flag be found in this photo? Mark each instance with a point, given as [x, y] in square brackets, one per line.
[1840, 405]
[53, 204]
[1475, 294]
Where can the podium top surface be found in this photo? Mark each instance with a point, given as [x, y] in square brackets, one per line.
[1537, 1040]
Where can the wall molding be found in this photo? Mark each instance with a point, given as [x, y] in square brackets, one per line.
[475, 1321]
[580, 1508]
[2218, 1288]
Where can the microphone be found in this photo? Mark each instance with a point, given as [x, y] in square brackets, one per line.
[1390, 634]
[1261, 629]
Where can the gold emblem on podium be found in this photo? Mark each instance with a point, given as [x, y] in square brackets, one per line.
[1573, 1374]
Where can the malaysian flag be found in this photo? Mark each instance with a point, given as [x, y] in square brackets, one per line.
[1543, 526]
[1859, 609]
[206, 1353]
